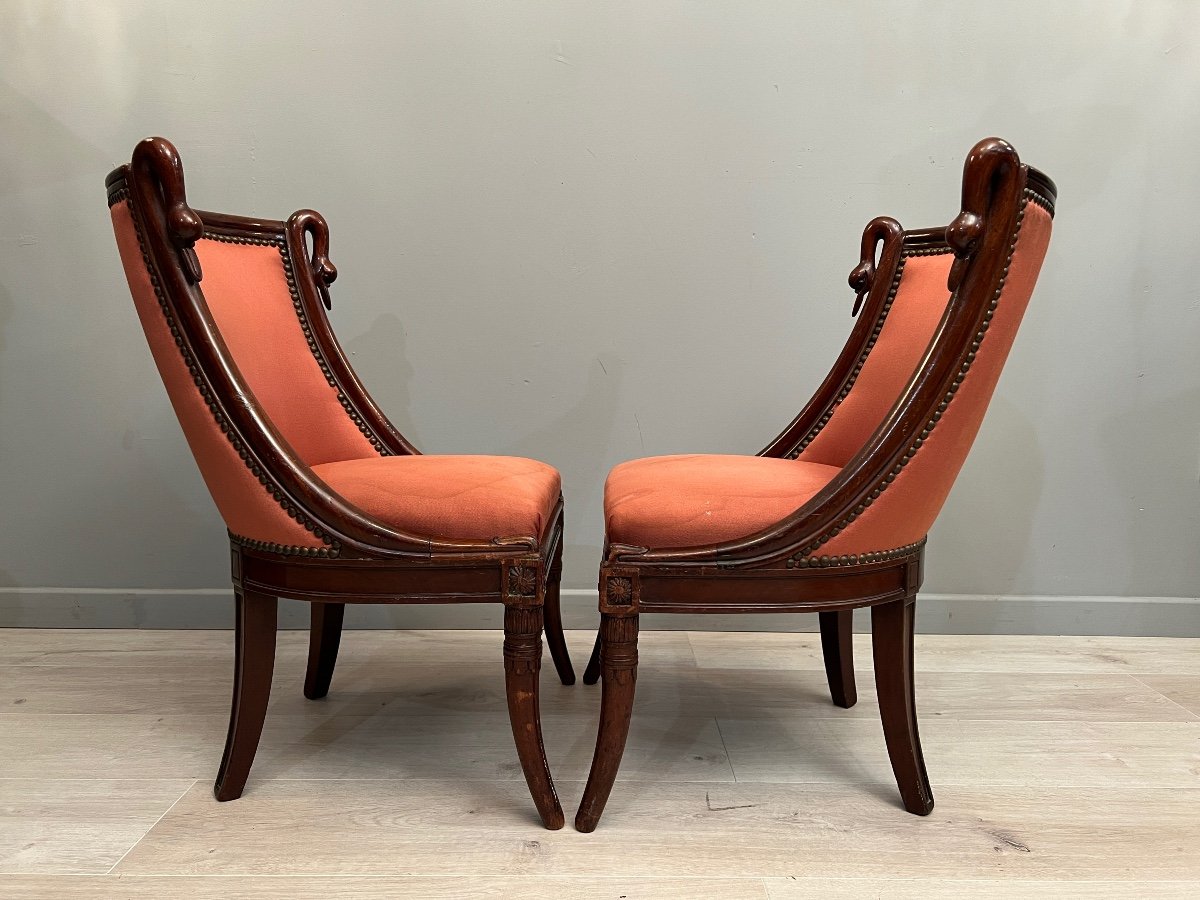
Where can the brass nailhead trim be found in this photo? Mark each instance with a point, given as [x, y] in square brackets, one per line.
[871, 341]
[853, 559]
[1043, 202]
[331, 552]
[858, 365]
[306, 328]
[239, 239]
[799, 558]
[214, 408]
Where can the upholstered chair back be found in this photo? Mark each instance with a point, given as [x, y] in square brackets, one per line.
[215, 306]
[907, 326]
[921, 321]
[250, 289]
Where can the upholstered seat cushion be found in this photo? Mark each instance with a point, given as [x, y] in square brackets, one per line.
[686, 501]
[450, 497]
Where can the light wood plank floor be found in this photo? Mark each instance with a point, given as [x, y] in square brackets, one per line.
[1066, 767]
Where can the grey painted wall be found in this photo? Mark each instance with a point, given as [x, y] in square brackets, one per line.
[587, 232]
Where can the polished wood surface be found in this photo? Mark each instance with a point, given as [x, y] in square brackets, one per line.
[256, 622]
[324, 639]
[618, 669]
[360, 559]
[837, 644]
[741, 778]
[781, 569]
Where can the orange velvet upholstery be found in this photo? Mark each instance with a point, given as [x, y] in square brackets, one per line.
[450, 497]
[905, 511]
[916, 310]
[245, 287]
[247, 508]
[685, 501]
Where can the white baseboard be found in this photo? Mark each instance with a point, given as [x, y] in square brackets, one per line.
[936, 613]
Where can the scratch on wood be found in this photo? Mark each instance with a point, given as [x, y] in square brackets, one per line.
[711, 808]
[1009, 841]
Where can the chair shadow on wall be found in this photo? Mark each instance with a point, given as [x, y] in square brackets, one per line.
[380, 352]
[580, 435]
[570, 436]
[987, 527]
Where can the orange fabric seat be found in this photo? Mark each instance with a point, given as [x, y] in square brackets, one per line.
[685, 501]
[450, 497]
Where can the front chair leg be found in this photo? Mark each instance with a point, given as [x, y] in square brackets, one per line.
[554, 634]
[254, 663]
[837, 644]
[324, 636]
[618, 665]
[522, 667]
[592, 673]
[892, 642]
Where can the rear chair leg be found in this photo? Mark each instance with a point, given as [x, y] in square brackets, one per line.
[592, 673]
[837, 644]
[554, 633]
[254, 663]
[324, 636]
[618, 664]
[892, 641]
[522, 667]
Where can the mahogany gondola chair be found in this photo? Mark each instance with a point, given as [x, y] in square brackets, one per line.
[833, 514]
[324, 500]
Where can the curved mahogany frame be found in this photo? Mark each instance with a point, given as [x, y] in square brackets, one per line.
[778, 568]
[360, 558]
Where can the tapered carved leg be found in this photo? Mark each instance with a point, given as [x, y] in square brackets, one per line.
[592, 673]
[254, 662]
[837, 632]
[618, 665]
[324, 636]
[892, 642]
[554, 635]
[522, 667]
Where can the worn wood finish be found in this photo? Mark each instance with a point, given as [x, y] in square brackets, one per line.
[837, 646]
[522, 668]
[324, 638]
[357, 559]
[781, 568]
[618, 666]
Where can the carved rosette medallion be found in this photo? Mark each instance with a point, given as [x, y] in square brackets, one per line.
[620, 594]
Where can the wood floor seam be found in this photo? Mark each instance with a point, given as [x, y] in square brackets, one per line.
[1168, 698]
[740, 778]
[166, 812]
